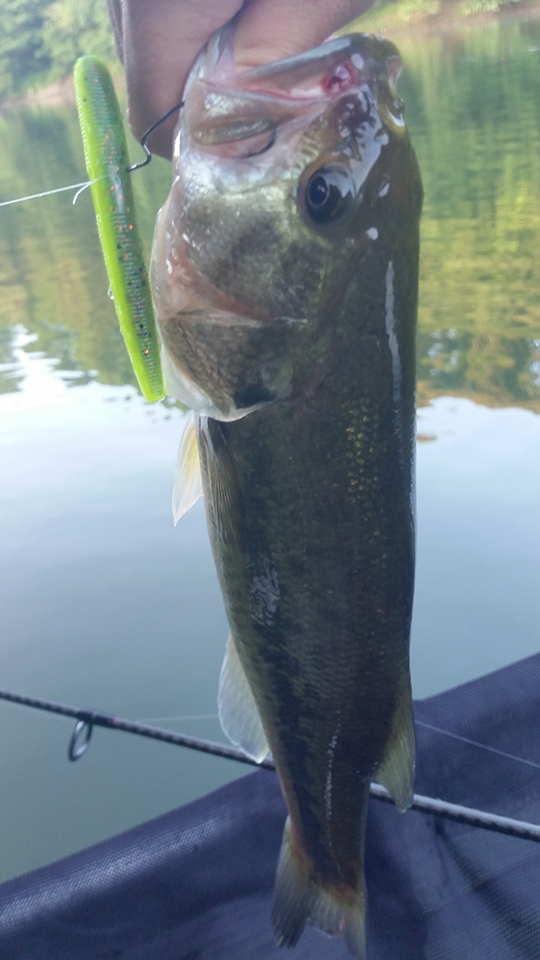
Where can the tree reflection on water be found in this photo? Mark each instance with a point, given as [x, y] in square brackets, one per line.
[472, 108]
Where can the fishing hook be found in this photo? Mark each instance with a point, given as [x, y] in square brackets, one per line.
[148, 133]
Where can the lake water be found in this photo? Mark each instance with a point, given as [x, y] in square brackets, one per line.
[103, 603]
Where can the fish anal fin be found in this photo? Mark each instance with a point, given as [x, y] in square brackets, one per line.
[396, 769]
[187, 479]
[237, 710]
[300, 898]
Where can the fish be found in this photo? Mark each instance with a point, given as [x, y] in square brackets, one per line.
[285, 278]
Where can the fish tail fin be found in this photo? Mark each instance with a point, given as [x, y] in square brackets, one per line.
[300, 898]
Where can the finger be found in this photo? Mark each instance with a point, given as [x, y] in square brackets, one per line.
[271, 29]
[160, 42]
[161, 39]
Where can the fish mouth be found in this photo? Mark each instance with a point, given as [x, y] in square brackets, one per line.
[238, 114]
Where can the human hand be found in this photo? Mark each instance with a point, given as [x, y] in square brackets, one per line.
[158, 40]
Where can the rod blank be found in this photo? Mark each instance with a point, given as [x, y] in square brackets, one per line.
[80, 740]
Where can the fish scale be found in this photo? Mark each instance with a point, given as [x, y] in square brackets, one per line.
[304, 416]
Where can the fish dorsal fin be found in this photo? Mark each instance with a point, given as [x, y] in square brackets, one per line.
[187, 480]
[396, 770]
[238, 713]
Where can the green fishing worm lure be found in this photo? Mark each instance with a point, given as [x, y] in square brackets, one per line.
[106, 155]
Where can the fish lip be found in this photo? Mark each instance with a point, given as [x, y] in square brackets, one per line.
[287, 92]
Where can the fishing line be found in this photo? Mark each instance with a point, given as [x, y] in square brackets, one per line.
[88, 719]
[85, 187]
[148, 133]
[49, 193]
[81, 187]
[475, 743]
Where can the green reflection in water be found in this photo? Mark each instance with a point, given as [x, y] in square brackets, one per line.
[473, 108]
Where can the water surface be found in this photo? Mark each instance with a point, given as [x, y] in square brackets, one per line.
[103, 602]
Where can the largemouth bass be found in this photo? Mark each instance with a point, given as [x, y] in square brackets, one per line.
[285, 270]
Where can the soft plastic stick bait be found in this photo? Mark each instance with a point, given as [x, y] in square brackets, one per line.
[106, 155]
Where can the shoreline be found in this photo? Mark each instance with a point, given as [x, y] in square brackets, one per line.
[58, 93]
[388, 20]
[449, 17]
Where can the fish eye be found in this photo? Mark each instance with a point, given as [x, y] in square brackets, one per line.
[329, 194]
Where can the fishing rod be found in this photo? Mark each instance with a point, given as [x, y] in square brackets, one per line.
[88, 719]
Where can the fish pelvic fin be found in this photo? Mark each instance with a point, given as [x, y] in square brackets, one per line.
[301, 897]
[396, 769]
[187, 479]
[237, 709]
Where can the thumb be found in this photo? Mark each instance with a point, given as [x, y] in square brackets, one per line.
[272, 29]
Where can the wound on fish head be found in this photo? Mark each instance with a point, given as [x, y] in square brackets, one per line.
[278, 189]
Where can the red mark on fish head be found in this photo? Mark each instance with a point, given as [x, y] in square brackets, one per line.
[342, 77]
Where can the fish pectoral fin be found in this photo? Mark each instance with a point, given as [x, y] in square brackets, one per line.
[396, 769]
[219, 473]
[237, 709]
[187, 479]
[299, 898]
